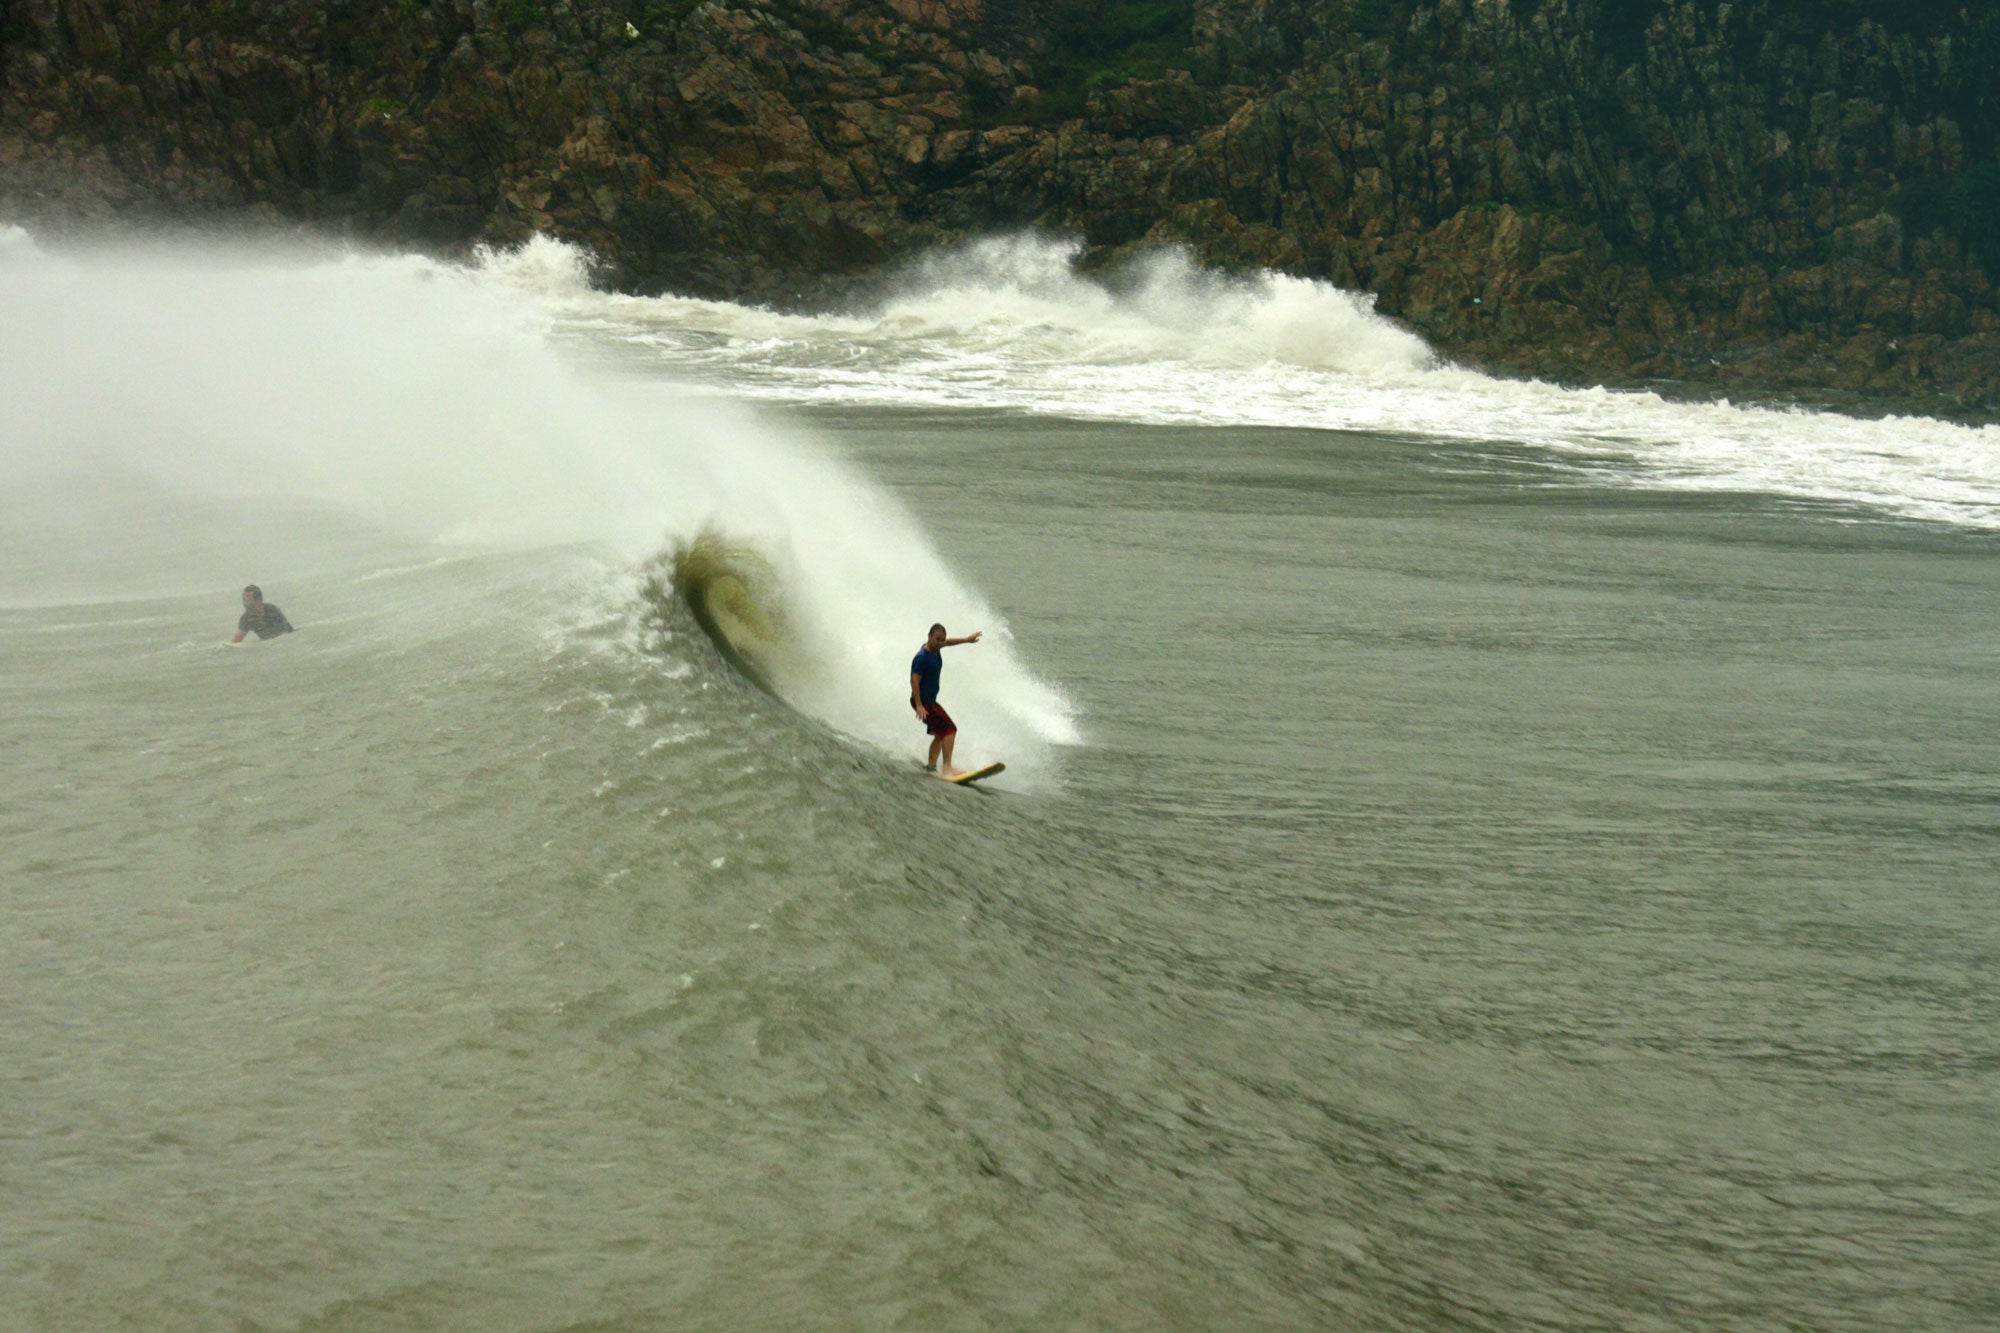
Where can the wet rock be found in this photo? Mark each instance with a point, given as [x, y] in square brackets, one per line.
[1725, 191]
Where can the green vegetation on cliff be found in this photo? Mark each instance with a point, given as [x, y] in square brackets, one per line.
[1099, 44]
[1975, 212]
[1793, 191]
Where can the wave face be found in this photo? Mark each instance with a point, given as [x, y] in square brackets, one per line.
[193, 416]
[1011, 324]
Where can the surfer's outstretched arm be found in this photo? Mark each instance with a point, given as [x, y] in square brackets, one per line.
[970, 638]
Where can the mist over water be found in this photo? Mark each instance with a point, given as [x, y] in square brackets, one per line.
[186, 415]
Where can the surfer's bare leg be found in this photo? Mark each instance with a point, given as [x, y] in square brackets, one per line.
[937, 743]
[945, 741]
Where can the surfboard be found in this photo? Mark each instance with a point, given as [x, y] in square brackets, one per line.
[974, 774]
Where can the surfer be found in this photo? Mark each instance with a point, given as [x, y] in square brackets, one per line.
[260, 617]
[924, 671]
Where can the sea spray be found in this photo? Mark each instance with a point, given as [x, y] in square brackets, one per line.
[1158, 306]
[165, 397]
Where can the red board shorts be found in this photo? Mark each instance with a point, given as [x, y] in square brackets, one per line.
[939, 722]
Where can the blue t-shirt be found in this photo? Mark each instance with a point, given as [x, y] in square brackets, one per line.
[925, 666]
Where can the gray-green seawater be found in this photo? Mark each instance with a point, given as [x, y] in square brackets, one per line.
[1472, 854]
[1481, 899]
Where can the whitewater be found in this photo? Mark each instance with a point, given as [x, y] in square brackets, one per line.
[1012, 325]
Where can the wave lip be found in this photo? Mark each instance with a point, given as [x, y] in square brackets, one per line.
[823, 627]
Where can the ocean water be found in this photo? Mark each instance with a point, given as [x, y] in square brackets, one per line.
[1472, 854]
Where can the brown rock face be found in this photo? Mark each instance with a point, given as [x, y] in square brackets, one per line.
[1745, 197]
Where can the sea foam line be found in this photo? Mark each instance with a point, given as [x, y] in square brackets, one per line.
[1010, 324]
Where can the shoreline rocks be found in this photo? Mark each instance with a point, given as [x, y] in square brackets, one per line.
[1717, 201]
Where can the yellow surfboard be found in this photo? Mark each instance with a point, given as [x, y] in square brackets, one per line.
[974, 774]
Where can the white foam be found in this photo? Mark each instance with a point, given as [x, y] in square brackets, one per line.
[17, 244]
[542, 266]
[1011, 324]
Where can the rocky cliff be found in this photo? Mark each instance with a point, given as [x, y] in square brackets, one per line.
[1757, 197]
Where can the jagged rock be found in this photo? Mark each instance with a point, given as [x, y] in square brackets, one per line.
[1569, 187]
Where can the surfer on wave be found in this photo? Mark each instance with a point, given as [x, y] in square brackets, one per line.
[924, 671]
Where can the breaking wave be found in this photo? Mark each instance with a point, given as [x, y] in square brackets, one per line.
[1013, 324]
[184, 413]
